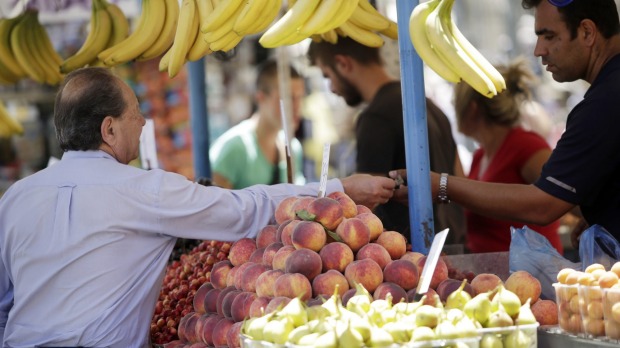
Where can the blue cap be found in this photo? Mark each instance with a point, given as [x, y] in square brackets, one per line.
[560, 3]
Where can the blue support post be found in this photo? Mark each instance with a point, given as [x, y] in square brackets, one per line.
[199, 118]
[416, 133]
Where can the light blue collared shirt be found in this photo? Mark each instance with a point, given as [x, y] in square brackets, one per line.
[84, 245]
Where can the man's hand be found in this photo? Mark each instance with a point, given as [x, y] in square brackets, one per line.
[368, 190]
[401, 192]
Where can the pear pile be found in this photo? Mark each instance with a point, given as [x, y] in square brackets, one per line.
[362, 322]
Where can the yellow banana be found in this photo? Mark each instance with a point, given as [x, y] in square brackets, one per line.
[164, 62]
[289, 23]
[221, 13]
[49, 59]
[166, 37]
[367, 17]
[422, 45]
[267, 16]
[321, 18]
[5, 131]
[38, 57]
[6, 53]
[223, 29]
[451, 52]
[96, 40]
[361, 35]
[484, 65]
[120, 24]
[344, 13]
[330, 36]
[187, 30]
[391, 31]
[149, 27]
[7, 77]
[249, 15]
[200, 46]
[21, 48]
[226, 43]
[12, 124]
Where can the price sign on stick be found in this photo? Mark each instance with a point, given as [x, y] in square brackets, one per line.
[324, 168]
[287, 143]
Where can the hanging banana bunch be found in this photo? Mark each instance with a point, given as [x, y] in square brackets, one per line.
[442, 46]
[8, 125]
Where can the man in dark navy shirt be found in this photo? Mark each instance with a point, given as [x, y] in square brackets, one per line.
[577, 40]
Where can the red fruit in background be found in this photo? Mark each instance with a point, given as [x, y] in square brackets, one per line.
[354, 233]
[398, 293]
[270, 252]
[440, 274]
[394, 242]
[366, 272]
[220, 331]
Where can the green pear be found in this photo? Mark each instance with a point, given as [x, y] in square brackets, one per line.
[333, 305]
[360, 302]
[407, 307]
[446, 330]
[317, 312]
[298, 333]
[362, 326]
[388, 316]
[466, 327]
[350, 337]
[328, 339]
[499, 318]
[255, 326]
[459, 297]
[277, 330]
[379, 338]
[380, 305]
[309, 339]
[423, 333]
[517, 339]
[427, 315]
[401, 332]
[508, 299]
[526, 316]
[479, 307]
[454, 315]
[490, 340]
[295, 309]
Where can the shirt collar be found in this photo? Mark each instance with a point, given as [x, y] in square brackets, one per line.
[86, 154]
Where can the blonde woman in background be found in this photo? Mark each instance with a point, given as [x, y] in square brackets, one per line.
[507, 153]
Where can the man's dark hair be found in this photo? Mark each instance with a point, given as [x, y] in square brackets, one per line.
[345, 46]
[267, 75]
[84, 99]
[602, 12]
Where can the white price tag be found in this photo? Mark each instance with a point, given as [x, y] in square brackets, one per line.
[324, 169]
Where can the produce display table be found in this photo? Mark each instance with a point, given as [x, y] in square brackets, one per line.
[553, 337]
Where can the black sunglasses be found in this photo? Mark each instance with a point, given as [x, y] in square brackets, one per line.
[560, 3]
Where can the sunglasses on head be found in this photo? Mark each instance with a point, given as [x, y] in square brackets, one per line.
[560, 3]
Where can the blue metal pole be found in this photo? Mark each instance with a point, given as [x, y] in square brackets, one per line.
[416, 133]
[199, 118]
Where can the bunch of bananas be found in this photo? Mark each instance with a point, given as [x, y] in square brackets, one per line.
[108, 27]
[445, 50]
[26, 51]
[8, 125]
[328, 19]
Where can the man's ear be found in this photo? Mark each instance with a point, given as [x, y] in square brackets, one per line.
[107, 130]
[343, 63]
[587, 31]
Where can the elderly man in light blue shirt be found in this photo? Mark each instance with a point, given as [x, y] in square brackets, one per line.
[84, 243]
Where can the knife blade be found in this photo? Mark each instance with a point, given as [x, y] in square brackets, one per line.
[430, 264]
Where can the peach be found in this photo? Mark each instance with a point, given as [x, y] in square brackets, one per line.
[374, 224]
[412, 256]
[524, 285]
[182, 328]
[385, 288]
[233, 338]
[431, 299]
[277, 303]
[354, 233]
[239, 280]
[265, 282]
[440, 274]
[257, 308]
[219, 273]
[241, 306]
[230, 278]
[349, 208]
[394, 242]
[608, 279]
[375, 252]
[402, 273]
[284, 209]
[251, 274]
[309, 235]
[174, 344]
[279, 258]
[366, 272]
[285, 232]
[327, 211]
[206, 332]
[198, 301]
[336, 256]
[266, 236]
[347, 295]
[326, 283]
[362, 209]
[191, 334]
[302, 204]
[293, 285]
[220, 299]
[241, 251]
[563, 273]
[485, 282]
[448, 286]
[220, 331]
[269, 252]
[304, 261]
[317, 301]
[228, 301]
[257, 255]
[210, 301]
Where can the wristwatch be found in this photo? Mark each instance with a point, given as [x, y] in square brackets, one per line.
[442, 195]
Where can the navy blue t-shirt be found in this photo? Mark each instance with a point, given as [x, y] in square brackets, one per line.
[584, 168]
